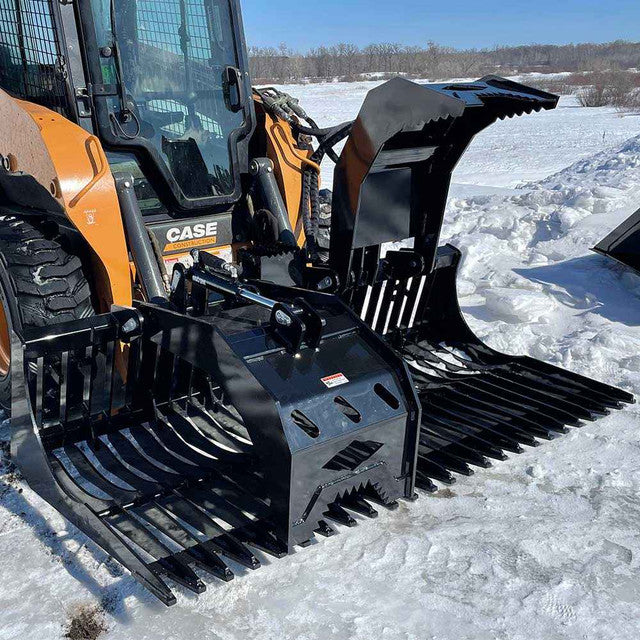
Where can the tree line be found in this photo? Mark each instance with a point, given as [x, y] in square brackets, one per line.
[348, 62]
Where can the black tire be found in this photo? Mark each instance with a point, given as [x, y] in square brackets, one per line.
[41, 282]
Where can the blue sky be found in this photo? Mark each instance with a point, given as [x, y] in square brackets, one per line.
[457, 23]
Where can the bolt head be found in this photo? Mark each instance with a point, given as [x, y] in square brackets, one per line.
[283, 319]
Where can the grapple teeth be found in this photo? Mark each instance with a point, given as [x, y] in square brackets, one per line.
[228, 546]
[264, 539]
[180, 572]
[423, 482]
[354, 502]
[209, 560]
[324, 529]
[336, 513]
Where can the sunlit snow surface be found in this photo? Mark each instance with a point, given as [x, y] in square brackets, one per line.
[545, 545]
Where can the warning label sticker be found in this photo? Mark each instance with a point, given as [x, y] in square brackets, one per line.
[336, 380]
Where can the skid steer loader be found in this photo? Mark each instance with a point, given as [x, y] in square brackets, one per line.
[201, 355]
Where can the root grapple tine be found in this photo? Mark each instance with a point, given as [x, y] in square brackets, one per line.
[115, 466]
[91, 474]
[518, 420]
[176, 569]
[163, 519]
[458, 423]
[263, 538]
[581, 402]
[143, 464]
[153, 450]
[529, 406]
[448, 461]
[545, 405]
[424, 483]
[229, 546]
[336, 513]
[607, 392]
[488, 424]
[165, 561]
[434, 470]
[324, 529]
[445, 429]
[207, 558]
[452, 448]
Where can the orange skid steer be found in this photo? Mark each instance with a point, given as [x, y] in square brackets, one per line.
[203, 354]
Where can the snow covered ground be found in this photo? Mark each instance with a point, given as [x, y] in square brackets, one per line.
[545, 545]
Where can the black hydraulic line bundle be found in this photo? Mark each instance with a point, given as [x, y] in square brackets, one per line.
[287, 108]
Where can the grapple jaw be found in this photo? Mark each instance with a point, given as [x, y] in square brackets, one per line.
[393, 177]
[390, 192]
[206, 434]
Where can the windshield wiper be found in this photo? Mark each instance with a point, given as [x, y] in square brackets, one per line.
[185, 38]
[126, 114]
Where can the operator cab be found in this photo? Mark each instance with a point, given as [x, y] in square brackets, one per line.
[164, 84]
[171, 95]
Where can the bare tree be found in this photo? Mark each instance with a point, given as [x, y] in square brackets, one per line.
[434, 61]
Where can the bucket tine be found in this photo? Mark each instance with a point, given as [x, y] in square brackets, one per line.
[324, 529]
[172, 565]
[336, 513]
[163, 520]
[448, 461]
[453, 448]
[354, 502]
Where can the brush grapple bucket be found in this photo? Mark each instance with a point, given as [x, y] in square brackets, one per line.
[390, 185]
[178, 439]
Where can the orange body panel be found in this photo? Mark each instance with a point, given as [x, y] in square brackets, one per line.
[289, 162]
[71, 164]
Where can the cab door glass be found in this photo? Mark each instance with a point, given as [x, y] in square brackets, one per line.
[175, 57]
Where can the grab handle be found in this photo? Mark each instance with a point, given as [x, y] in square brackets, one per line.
[233, 78]
[99, 166]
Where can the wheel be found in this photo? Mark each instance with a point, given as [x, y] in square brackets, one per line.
[41, 284]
